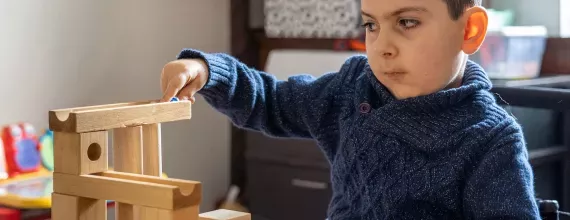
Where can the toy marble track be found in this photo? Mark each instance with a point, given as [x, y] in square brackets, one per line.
[83, 181]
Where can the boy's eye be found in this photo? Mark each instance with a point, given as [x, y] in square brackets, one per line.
[408, 23]
[369, 26]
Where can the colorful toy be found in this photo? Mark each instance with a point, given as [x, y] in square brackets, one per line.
[83, 181]
[46, 149]
[3, 166]
[21, 149]
[25, 183]
[27, 191]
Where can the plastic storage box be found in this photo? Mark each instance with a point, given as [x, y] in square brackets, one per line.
[513, 52]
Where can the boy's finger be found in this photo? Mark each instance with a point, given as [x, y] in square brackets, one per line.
[186, 98]
[171, 91]
[188, 92]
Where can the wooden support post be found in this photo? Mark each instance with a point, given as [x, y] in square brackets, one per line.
[77, 208]
[127, 150]
[152, 166]
[78, 154]
[152, 151]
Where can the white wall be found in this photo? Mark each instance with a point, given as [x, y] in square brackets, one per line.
[66, 53]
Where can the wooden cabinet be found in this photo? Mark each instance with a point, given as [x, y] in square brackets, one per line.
[286, 179]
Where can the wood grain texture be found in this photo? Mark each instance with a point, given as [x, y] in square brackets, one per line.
[132, 189]
[105, 117]
[80, 153]
[127, 149]
[67, 207]
[152, 150]
[186, 213]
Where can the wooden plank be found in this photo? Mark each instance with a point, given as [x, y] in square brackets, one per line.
[224, 214]
[152, 155]
[105, 117]
[187, 187]
[156, 195]
[80, 153]
[77, 208]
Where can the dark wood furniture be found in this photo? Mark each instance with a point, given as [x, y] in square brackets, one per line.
[546, 93]
[296, 169]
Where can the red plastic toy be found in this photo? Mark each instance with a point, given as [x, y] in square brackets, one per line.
[21, 149]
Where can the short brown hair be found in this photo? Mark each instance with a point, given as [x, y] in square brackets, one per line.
[457, 7]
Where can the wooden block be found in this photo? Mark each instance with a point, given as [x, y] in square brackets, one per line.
[224, 214]
[124, 211]
[152, 155]
[187, 213]
[127, 157]
[66, 207]
[132, 189]
[151, 162]
[80, 153]
[105, 117]
[187, 186]
[127, 149]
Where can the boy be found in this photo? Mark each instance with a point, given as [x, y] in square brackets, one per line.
[411, 130]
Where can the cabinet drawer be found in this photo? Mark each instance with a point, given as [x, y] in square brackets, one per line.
[282, 192]
[290, 151]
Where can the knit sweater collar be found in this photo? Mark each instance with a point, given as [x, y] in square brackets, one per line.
[474, 79]
[422, 120]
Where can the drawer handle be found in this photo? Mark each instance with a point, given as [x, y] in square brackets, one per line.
[308, 184]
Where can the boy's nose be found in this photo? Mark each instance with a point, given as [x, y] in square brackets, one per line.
[385, 48]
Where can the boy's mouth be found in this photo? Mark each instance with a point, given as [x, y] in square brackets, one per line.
[394, 73]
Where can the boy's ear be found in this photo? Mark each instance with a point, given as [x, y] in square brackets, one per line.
[475, 29]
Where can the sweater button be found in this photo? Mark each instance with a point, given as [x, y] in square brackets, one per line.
[364, 107]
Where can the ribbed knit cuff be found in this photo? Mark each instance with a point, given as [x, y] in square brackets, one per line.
[220, 76]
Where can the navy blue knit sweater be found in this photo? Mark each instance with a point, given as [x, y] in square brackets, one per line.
[454, 154]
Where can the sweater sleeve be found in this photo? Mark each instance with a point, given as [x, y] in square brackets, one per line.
[256, 100]
[502, 185]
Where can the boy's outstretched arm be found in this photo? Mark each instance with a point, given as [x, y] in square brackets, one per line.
[502, 185]
[257, 100]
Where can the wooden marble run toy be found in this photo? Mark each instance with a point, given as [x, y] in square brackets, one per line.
[82, 181]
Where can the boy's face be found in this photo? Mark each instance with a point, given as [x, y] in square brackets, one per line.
[413, 46]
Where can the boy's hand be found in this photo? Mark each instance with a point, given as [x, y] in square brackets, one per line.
[183, 78]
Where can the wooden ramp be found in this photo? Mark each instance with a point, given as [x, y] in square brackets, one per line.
[82, 179]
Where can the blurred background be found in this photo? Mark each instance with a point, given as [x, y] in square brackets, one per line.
[62, 53]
